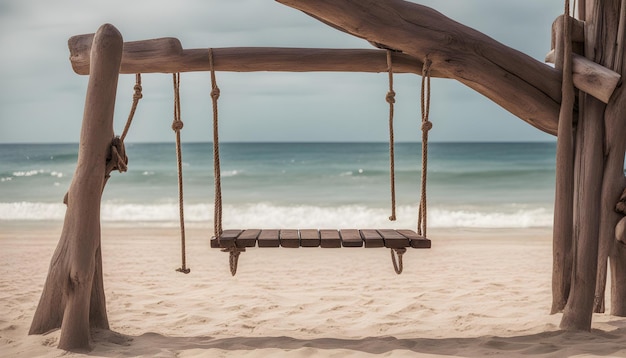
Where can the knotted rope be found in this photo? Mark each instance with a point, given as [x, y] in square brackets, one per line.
[117, 159]
[177, 125]
[215, 95]
[426, 126]
[233, 251]
[391, 99]
[137, 95]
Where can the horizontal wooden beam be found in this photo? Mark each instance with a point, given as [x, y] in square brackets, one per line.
[591, 77]
[166, 55]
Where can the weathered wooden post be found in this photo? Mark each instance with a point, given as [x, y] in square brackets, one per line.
[73, 296]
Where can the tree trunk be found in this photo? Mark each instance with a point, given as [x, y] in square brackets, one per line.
[73, 296]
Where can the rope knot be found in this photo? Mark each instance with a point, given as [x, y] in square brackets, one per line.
[215, 93]
[391, 97]
[117, 159]
[177, 126]
[427, 125]
[137, 95]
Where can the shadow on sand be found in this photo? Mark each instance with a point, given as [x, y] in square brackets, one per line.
[554, 343]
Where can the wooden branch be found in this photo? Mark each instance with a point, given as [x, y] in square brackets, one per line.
[166, 55]
[591, 77]
[527, 88]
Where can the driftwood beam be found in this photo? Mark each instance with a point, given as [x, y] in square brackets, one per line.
[166, 55]
[591, 77]
[520, 84]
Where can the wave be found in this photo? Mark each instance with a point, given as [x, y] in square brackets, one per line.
[267, 215]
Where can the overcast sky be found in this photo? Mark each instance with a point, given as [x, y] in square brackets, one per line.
[41, 98]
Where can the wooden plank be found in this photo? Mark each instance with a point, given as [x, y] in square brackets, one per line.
[351, 238]
[309, 238]
[289, 238]
[416, 241]
[393, 239]
[330, 239]
[248, 238]
[372, 238]
[227, 239]
[269, 238]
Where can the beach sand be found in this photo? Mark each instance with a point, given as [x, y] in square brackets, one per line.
[475, 293]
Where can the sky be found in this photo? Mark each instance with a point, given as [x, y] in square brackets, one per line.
[41, 98]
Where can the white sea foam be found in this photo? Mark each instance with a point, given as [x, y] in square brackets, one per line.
[266, 215]
[28, 173]
[231, 173]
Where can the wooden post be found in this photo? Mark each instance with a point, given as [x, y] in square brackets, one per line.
[73, 296]
[564, 192]
[600, 177]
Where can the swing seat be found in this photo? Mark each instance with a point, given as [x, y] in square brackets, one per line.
[293, 238]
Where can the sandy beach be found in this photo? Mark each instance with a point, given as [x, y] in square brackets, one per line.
[475, 293]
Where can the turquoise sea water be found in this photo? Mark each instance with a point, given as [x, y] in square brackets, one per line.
[296, 184]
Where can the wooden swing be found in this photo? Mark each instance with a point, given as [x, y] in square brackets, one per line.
[236, 241]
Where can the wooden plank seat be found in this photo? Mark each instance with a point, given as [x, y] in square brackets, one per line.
[326, 238]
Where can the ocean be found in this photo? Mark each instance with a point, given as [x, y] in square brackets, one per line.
[296, 185]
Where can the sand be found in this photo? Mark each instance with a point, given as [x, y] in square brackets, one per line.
[475, 293]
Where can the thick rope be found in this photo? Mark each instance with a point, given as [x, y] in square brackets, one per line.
[426, 126]
[397, 266]
[215, 95]
[391, 99]
[136, 97]
[117, 159]
[233, 251]
[177, 125]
